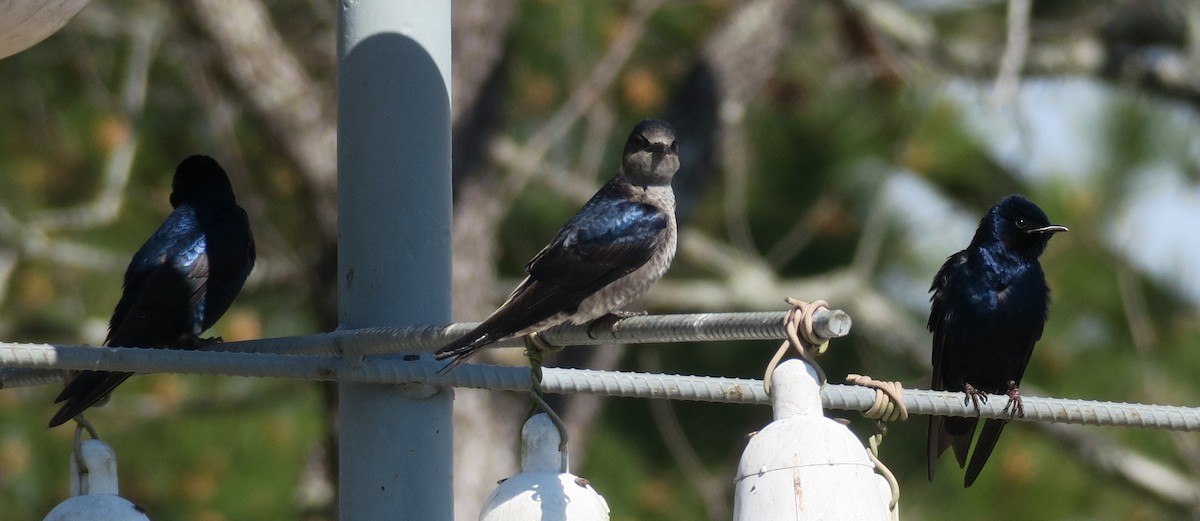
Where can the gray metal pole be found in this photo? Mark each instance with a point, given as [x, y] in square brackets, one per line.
[396, 453]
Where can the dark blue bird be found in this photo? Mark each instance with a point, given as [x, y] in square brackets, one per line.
[989, 306]
[617, 246]
[179, 282]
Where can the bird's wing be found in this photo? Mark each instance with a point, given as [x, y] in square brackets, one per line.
[602, 243]
[163, 285]
[1036, 324]
[163, 310]
[608, 239]
[163, 288]
[158, 315]
[939, 317]
[230, 255]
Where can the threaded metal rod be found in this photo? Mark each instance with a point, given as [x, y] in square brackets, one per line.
[699, 327]
[14, 377]
[608, 383]
[767, 325]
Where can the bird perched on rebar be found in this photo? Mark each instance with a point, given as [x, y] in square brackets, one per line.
[179, 282]
[617, 246]
[990, 303]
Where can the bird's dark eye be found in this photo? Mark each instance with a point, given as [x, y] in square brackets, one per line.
[674, 147]
[1022, 223]
[642, 142]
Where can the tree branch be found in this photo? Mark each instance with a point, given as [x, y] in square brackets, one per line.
[1016, 45]
[280, 91]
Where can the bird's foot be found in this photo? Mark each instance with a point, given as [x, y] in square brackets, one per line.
[974, 396]
[197, 342]
[611, 321]
[1015, 407]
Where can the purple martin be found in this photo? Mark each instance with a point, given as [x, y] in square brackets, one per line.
[179, 282]
[990, 303]
[617, 246]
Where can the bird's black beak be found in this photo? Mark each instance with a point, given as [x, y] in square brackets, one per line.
[1053, 228]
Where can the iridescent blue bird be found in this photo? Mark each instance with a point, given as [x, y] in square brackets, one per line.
[610, 253]
[990, 303]
[179, 282]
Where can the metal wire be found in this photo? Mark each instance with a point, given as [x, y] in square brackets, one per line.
[608, 383]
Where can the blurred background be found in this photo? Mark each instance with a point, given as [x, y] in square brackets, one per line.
[836, 149]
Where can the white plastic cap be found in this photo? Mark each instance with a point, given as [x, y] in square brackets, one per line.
[804, 465]
[541, 492]
[97, 508]
[94, 491]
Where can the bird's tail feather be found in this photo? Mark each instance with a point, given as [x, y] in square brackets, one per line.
[85, 390]
[983, 448]
[463, 348]
[530, 304]
[938, 441]
[959, 433]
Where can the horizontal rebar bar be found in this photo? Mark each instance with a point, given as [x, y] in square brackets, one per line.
[700, 327]
[766, 325]
[608, 383]
[13, 377]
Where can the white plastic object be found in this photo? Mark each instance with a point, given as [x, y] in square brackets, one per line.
[94, 489]
[804, 465]
[544, 490]
[24, 23]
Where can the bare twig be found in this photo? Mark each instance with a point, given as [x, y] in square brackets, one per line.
[8, 264]
[32, 239]
[743, 52]
[1191, 16]
[480, 28]
[32, 243]
[712, 491]
[870, 243]
[1134, 304]
[737, 173]
[1141, 329]
[1160, 69]
[595, 147]
[277, 260]
[279, 89]
[528, 158]
[104, 208]
[1166, 485]
[1016, 46]
[802, 233]
[584, 410]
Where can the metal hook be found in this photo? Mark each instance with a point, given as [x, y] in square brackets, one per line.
[82, 424]
[563, 436]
